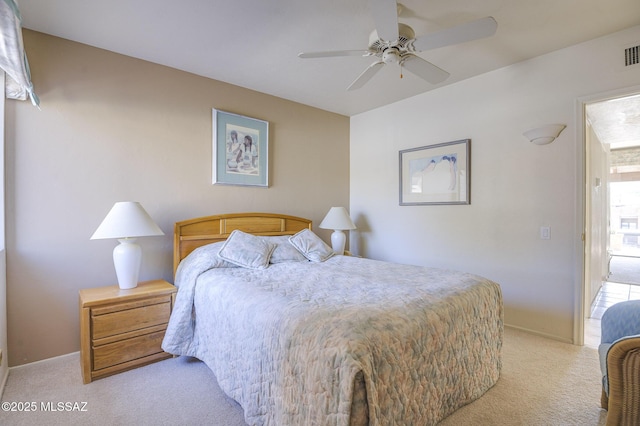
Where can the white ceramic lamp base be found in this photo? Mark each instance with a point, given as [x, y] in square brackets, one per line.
[338, 241]
[126, 258]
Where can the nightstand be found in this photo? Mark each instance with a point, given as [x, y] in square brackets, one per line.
[123, 329]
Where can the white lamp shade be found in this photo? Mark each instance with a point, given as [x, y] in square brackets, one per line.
[127, 219]
[337, 219]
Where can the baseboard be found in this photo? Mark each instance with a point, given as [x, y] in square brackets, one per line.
[43, 360]
[537, 333]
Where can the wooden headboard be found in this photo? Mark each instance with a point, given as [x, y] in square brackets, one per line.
[193, 233]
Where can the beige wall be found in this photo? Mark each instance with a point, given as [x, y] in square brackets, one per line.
[516, 187]
[113, 128]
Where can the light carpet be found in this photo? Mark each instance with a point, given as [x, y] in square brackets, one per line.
[543, 382]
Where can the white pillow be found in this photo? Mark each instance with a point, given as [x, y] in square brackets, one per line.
[246, 250]
[311, 246]
[284, 251]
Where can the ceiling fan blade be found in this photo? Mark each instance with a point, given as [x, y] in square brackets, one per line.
[335, 53]
[480, 28]
[423, 69]
[385, 15]
[366, 76]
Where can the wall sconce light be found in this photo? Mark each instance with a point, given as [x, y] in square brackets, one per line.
[545, 134]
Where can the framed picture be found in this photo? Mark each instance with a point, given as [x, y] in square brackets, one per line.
[240, 150]
[436, 174]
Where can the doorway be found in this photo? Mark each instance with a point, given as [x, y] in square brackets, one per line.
[612, 200]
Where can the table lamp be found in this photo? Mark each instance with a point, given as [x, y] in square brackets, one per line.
[337, 219]
[126, 221]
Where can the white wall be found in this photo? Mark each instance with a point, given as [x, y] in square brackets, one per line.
[516, 187]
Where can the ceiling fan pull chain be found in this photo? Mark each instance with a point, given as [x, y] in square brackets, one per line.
[401, 71]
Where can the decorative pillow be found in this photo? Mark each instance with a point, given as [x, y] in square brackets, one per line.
[246, 250]
[311, 246]
[284, 251]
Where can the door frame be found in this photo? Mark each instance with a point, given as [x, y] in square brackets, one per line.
[583, 229]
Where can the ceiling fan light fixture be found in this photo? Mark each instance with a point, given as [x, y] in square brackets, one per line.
[391, 56]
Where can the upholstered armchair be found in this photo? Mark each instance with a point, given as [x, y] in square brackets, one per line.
[619, 352]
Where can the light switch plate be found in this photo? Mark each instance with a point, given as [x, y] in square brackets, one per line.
[545, 233]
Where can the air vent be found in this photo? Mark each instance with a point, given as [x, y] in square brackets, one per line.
[632, 55]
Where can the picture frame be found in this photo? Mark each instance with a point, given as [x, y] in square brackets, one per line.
[240, 150]
[436, 174]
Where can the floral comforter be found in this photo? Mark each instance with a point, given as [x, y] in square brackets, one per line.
[288, 342]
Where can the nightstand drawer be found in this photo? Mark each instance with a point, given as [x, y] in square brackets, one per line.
[126, 350]
[126, 317]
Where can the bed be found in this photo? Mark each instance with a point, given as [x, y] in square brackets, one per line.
[302, 337]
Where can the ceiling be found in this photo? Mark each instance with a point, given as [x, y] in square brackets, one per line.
[255, 43]
[616, 121]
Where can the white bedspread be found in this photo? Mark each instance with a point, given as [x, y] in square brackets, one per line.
[286, 342]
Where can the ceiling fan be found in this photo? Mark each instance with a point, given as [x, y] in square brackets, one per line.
[396, 43]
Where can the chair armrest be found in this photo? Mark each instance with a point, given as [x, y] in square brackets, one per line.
[623, 374]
